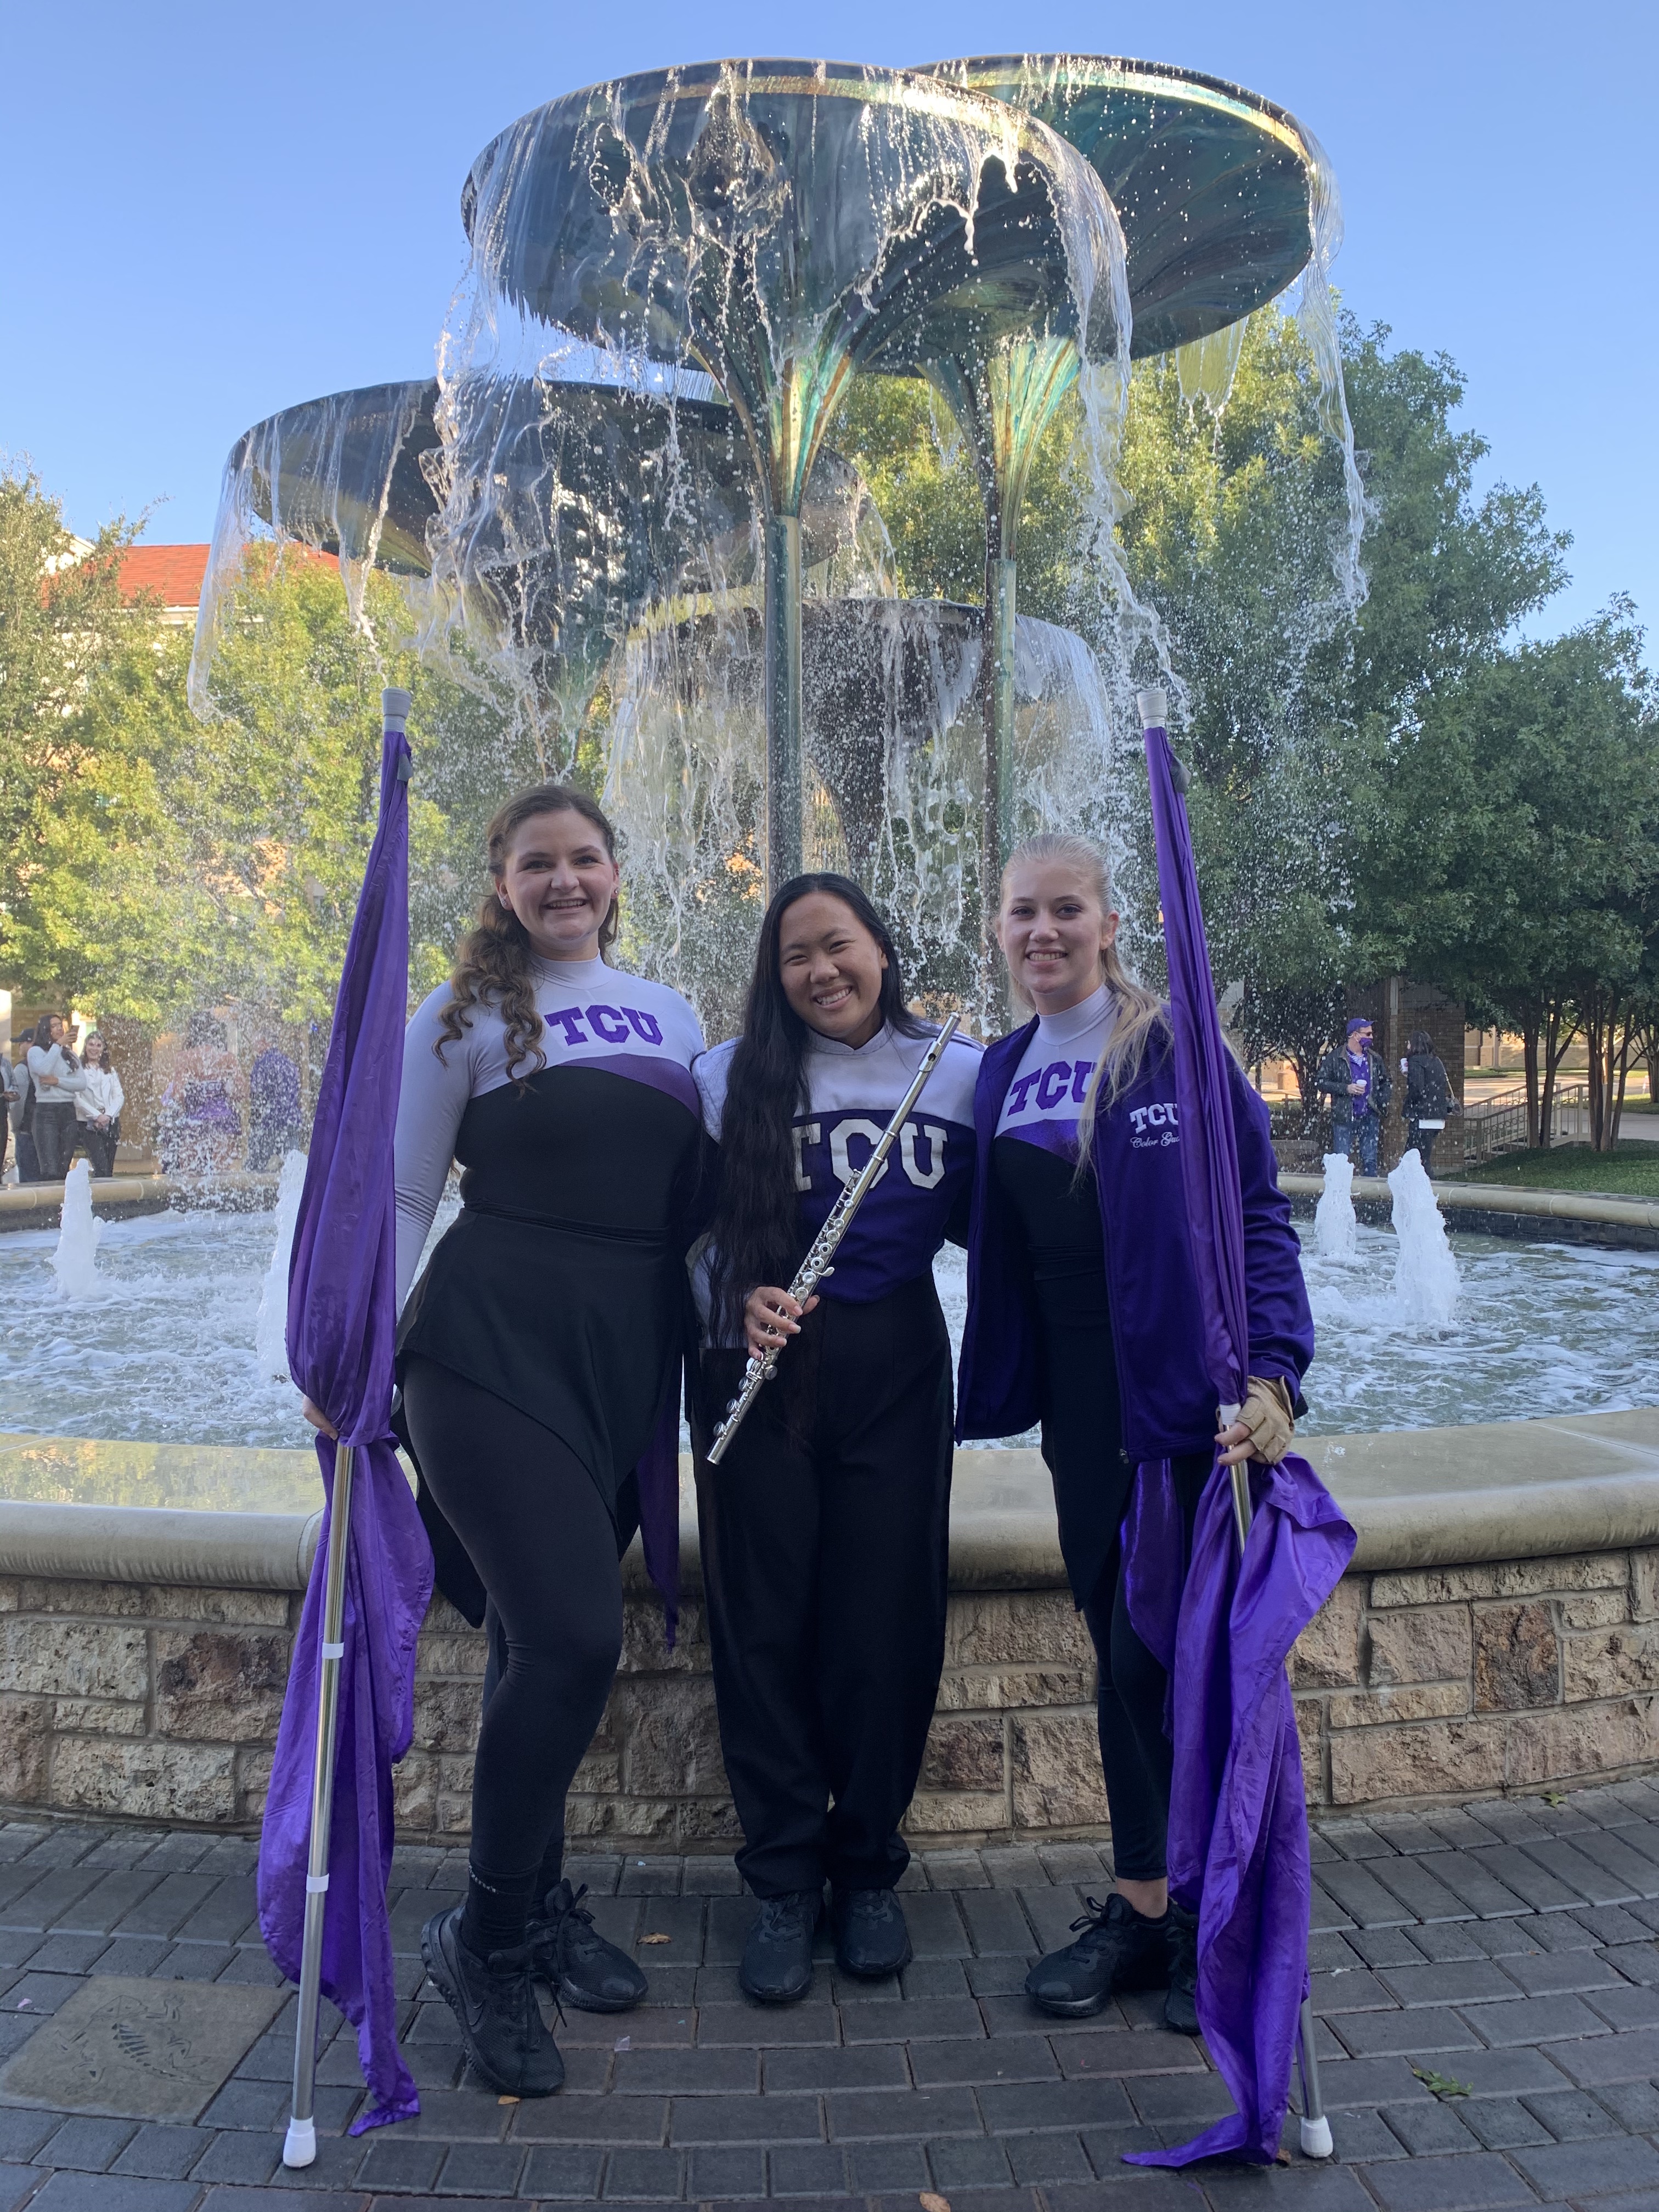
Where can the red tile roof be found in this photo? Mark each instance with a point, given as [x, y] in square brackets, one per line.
[173, 573]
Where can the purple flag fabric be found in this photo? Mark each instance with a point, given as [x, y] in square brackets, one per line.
[341, 1322]
[1238, 1828]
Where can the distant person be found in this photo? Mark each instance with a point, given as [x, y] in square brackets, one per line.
[1357, 1085]
[274, 1122]
[1429, 1100]
[11, 1103]
[56, 1077]
[98, 1106]
[22, 1120]
[209, 1129]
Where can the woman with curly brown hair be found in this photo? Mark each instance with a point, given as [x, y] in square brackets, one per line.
[537, 1353]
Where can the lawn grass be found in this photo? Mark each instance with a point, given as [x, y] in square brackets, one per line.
[1631, 1172]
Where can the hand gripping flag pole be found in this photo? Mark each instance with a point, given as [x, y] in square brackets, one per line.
[1268, 1546]
[326, 1843]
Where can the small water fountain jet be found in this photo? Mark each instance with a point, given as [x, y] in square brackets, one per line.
[271, 1322]
[75, 1261]
[1426, 1284]
[1336, 1226]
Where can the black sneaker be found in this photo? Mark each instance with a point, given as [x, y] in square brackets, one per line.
[871, 1938]
[1181, 2006]
[1118, 1949]
[777, 1956]
[567, 1951]
[493, 2000]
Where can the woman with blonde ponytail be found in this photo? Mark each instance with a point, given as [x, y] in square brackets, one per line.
[1083, 1313]
[538, 1355]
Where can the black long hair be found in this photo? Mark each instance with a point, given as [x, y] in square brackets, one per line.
[756, 1228]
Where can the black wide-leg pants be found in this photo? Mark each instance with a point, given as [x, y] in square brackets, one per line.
[824, 1538]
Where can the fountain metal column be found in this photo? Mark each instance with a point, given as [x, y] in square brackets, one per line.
[781, 223]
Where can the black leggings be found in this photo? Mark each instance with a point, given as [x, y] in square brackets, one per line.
[537, 1530]
[54, 1140]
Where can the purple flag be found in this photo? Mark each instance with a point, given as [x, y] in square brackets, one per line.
[1238, 1825]
[342, 1323]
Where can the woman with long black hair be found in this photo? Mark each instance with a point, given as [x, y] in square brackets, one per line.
[824, 1528]
[1083, 1313]
[537, 1354]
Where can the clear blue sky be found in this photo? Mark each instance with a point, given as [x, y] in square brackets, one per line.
[215, 210]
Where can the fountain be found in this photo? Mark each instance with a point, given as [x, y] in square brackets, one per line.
[75, 1263]
[1336, 1227]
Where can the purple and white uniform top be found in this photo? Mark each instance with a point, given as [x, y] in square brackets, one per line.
[852, 1094]
[1046, 1098]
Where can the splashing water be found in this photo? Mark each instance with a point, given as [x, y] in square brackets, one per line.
[271, 1322]
[73, 1262]
[1426, 1285]
[1336, 1227]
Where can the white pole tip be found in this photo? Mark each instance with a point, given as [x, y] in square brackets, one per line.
[1154, 705]
[1316, 2138]
[299, 2143]
[394, 710]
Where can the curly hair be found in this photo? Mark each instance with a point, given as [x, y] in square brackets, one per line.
[756, 1234]
[492, 963]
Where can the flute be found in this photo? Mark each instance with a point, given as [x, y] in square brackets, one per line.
[816, 1265]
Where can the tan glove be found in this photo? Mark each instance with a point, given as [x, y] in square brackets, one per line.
[1267, 1414]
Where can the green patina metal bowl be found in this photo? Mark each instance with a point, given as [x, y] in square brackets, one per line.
[1220, 192]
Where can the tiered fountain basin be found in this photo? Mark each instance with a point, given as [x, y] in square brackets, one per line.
[1499, 1632]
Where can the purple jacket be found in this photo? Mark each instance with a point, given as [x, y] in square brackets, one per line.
[1169, 1400]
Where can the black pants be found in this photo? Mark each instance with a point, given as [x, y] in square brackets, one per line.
[1136, 1756]
[99, 1145]
[536, 1528]
[824, 1534]
[54, 1140]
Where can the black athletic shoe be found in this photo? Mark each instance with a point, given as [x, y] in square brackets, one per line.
[777, 1957]
[1181, 2006]
[871, 1938]
[1118, 1949]
[494, 2000]
[567, 1951]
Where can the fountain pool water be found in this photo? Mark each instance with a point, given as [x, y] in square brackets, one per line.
[169, 1353]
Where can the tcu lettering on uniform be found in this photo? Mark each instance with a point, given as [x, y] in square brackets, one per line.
[609, 1024]
[1054, 1084]
[846, 1132]
[1166, 1116]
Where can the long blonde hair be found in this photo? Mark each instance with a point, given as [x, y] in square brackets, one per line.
[1138, 1022]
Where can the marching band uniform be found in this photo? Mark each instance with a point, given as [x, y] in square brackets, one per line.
[537, 1353]
[824, 1529]
[1082, 1313]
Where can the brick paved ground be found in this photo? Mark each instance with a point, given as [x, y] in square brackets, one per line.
[1509, 1948]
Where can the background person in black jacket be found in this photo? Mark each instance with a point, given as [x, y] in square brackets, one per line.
[1429, 1101]
[1352, 1077]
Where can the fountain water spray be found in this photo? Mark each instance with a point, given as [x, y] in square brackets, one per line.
[73, 1262]
[271, 1322]
[1426, 1285]
[1336, 1227]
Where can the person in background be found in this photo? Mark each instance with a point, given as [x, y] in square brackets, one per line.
[56, 1076]
[22, 1120]
[98, 1106]
[10, 1102]
[274, 1122]
[1429, 1100]
[1354, 1079]
[209, 1127]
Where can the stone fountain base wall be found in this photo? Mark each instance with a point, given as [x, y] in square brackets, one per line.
[159, 1701]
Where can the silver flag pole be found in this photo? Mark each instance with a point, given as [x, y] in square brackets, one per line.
[299, 2144]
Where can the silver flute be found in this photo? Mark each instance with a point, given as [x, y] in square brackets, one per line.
[816, 1265]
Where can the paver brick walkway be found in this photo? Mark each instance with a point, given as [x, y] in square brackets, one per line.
[1508, 1949]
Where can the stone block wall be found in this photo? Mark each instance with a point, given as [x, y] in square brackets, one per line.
[155, 1702]
[1447, 1682]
